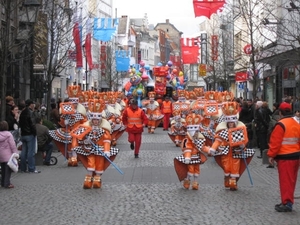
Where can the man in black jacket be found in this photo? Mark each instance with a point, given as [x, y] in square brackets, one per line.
[28, 138]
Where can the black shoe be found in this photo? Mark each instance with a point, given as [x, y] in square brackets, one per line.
[46, 163]
[132, 145]
[136, 156]
[270, 166]
[284, 208]
[259, 156]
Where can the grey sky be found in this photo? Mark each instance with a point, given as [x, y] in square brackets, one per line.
[179, 12]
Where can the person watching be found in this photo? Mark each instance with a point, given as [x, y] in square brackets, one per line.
[44, 140]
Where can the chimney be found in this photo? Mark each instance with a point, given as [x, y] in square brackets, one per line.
[167, 21]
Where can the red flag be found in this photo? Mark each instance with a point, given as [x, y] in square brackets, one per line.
[207, 7]
[77, 40]
[214, 47]
[88, 45]
[189, 50]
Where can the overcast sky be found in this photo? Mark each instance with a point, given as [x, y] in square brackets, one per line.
[179, 12]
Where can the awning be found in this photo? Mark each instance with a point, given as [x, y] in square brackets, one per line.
[241, 76]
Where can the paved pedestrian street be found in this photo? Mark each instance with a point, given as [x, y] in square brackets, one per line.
[149, 192]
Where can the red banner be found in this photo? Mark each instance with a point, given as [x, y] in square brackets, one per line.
[77, 41]
[207, 7]
[214, 47]
[88, 50]
[189, 51]
[241, 76]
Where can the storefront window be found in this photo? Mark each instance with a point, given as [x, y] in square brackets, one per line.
[289, 73]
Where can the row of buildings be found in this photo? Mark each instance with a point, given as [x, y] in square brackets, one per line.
[251, 48]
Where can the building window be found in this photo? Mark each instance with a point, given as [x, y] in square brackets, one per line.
[238, 44]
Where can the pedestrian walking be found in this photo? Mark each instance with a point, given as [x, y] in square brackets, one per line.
[7, 148]
[166, 109]
[285, 150]
[135, 120]
[28, 138]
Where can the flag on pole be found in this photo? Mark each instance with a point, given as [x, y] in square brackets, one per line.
[77, 37]
[88, 44]
[105, 28]
[207, 7]
[122, 60]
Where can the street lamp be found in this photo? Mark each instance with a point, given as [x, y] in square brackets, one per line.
[86, 70]
[27, 18]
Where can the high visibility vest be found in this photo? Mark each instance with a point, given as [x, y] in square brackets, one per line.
[167, 107]
[134, 118]
[290, 142]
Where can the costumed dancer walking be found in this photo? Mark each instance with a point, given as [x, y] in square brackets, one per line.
[92, 142]
[187, 165]
[72, 114]
[135, 119]
[153, 112]
[228, 147]
[166, 109]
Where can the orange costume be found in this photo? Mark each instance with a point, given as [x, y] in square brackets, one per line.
[187, 165]
[72, 114]
[153, 112]
[91, 140]
[228, 147]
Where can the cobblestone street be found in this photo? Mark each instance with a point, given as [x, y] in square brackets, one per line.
[149, 192]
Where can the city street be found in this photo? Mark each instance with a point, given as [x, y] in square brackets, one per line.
[149, 192]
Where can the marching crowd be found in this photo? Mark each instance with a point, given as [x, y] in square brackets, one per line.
[88, 124]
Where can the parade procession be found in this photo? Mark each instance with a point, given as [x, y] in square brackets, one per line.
[203, 125]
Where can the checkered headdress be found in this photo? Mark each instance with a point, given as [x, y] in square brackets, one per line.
[96, 106]
[230, 111]
[192, 123]
[74, 91]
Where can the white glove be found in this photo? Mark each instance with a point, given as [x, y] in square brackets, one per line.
[187, 160]
[107, 154]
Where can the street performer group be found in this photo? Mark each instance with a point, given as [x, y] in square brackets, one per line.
[200, 123]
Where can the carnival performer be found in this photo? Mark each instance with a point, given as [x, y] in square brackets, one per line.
[187, 165]
[153, 112]
[72, 114]
[228, 147]
[178, 128]
[92, 142]
[166, 109]
[118, 128]
[135, 120]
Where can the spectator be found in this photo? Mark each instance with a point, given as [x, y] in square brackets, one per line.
[261, 120]
[54, 115]
[13, 124]
[7, 148]
[135, 119]
[9, 103]
[296, 105]
[28, 133]
[285, 150]
[13, 118]
[246, 116]
[36, 112]
[44, 140]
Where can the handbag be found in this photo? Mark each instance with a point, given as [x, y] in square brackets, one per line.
[13, 162]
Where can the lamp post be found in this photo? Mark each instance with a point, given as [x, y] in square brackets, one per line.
[29, 18]
[86, 70]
